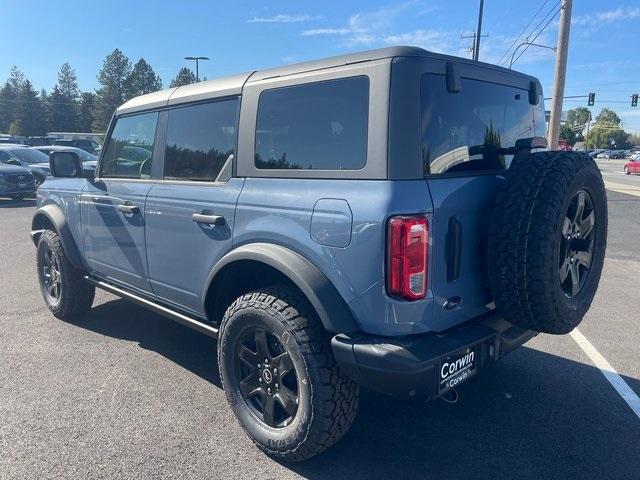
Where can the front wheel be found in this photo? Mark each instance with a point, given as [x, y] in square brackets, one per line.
[64, 290]
[626, 170]
[280, 376]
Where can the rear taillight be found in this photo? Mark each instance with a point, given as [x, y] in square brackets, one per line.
[408, 239]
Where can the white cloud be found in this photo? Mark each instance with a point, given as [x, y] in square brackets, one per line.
[367, 27]
[434, 40]
[284, 18]
[325, 31]
[595, 20]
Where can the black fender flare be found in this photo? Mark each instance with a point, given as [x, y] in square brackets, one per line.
[321, 293]
[55, 216]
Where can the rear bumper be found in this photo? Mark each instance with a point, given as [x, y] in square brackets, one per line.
[410, 365]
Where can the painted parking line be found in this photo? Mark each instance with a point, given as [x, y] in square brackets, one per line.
[622, 188]
[614, 378]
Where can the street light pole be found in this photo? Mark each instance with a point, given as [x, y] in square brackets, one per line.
[560, 73]
[197, 59]
[530, 44]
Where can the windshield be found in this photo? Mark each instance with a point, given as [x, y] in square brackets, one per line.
[28, 155]
[467, 131]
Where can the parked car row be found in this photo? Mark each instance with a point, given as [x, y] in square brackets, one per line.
[35, 161]
[609, 154]
[16, 182]
[90, 146]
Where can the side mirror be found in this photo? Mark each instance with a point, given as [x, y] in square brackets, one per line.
[65, 164]
[89, 172]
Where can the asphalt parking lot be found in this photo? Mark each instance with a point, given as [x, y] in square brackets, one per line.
[127, 393]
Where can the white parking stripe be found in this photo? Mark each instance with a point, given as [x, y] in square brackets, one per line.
[622, 188]
[608, 371]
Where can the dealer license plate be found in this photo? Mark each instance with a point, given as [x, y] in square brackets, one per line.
[457, 368]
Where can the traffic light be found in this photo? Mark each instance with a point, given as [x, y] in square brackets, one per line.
[592, 99]
[634, 100]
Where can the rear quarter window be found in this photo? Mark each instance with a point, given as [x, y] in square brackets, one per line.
[482, 117]
[316, 126]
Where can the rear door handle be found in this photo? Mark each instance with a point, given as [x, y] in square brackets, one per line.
[128, 209]
[207, 219]
[102, 199]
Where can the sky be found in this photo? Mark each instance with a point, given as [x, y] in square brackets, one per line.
[38, 36]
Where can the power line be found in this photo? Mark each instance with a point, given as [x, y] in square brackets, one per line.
[505, 54]
[540, 32]
[2, 100]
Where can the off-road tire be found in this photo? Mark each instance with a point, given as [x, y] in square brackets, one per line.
[328, 400]
[525, 240]
[76, 295]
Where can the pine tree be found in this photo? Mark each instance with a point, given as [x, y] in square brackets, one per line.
[68, 82]
[142, 80]
[185, 77]
[63, 102]
[46, 110]
[9, 94]
[87, 100]
[112, 92]
[30, 111]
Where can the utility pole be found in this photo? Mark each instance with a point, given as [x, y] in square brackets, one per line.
[476, 43]
[560, 73]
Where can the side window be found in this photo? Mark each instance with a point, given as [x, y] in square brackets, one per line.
[129, 150]
[201, 141]
[4, 156]
[317, 126]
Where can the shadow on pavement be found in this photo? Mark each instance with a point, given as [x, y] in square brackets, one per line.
[10, 203]
[533, 415]
[121, 319]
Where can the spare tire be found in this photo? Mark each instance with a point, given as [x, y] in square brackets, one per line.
[547, 240]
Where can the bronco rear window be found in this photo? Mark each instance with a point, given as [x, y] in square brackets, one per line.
[462, 131]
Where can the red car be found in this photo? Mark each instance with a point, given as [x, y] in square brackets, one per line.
[633, 165]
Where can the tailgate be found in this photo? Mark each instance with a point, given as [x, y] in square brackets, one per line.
[462, 208]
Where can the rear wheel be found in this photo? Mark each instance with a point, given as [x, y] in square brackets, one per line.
[64, 290]
[547, 240]
[280, 376]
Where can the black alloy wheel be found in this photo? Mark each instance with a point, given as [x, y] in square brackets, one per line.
[576, 243]
[51, 276]
[268, 380]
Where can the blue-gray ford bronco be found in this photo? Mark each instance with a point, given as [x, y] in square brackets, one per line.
[388, 219]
